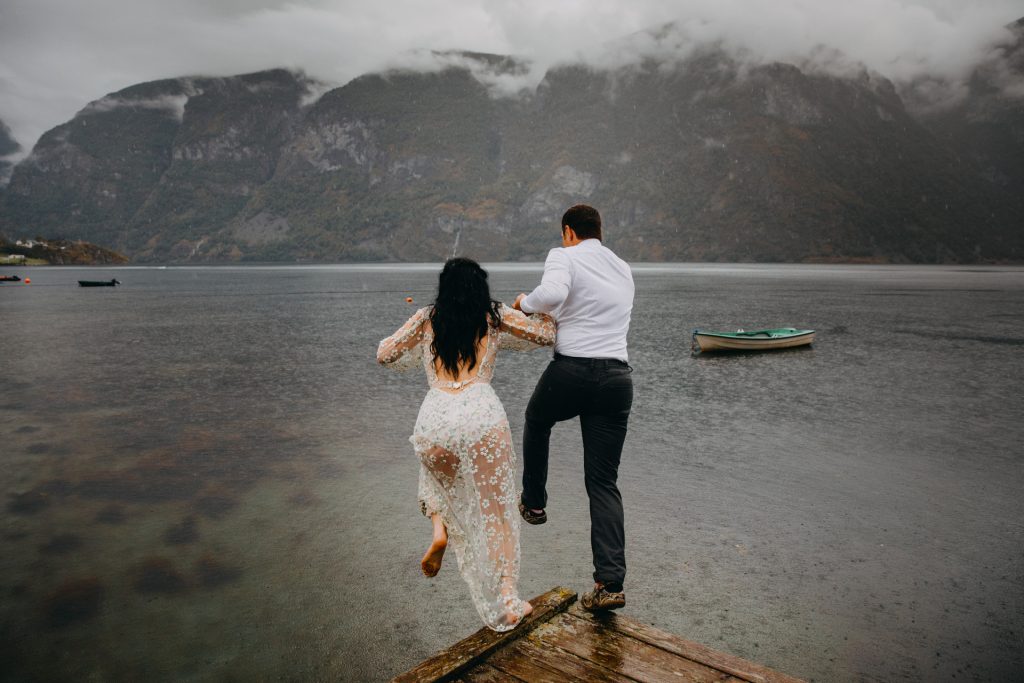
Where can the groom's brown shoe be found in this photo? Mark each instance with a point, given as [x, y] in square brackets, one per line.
[600, 600]
[532, 517]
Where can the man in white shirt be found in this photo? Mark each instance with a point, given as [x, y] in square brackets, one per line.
[589, 292]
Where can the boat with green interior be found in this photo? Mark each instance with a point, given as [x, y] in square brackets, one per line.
[752, 340]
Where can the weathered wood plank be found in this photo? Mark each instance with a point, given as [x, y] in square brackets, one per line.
[452, 661]
[572, 667]
[620, 653]
[526, 668]
[741, 668]
[482, 673]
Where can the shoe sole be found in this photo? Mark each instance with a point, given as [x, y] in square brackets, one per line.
[607, 608]
[534, 520]
[602, 608]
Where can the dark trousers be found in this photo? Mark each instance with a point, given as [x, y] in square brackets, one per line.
[600, 392]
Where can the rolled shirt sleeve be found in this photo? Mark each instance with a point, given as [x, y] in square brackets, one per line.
[554, 285]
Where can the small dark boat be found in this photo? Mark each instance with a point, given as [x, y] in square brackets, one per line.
[9, 278]
[113, 282]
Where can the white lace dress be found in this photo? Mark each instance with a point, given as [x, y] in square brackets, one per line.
[467, 462]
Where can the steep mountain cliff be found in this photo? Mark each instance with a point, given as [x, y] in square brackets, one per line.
[703, 160]
[168, 161]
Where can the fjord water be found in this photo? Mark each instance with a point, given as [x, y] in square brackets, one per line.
[207, 477]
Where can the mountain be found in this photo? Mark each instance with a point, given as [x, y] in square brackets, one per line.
[987, 125]
[166, 161]
[8, 146]
[704, 160]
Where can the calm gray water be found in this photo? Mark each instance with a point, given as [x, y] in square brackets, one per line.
[206, 476]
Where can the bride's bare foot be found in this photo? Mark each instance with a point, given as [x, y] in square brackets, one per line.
[431, 562]
[510, 616]
[516, 620]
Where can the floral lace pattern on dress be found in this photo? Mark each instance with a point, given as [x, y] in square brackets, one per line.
[467, 462]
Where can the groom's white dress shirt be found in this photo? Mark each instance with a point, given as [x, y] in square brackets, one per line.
[588, 290]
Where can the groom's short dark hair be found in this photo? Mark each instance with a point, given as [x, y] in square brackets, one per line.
[584, 220]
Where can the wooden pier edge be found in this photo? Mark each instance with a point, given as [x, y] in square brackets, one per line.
[468, 652]
[688, 649]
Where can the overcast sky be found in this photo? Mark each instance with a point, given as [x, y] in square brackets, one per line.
[58, 55]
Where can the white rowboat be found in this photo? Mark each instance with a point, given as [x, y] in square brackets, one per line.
[755, 340]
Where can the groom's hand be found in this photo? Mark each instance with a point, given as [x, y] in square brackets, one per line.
[519, 300]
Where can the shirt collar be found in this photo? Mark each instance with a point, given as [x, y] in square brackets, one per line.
[591, 241]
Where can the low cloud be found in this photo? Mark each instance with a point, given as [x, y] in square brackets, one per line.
[56, 56]
[175, 104]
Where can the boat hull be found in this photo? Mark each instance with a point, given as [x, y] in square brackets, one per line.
[705, 341]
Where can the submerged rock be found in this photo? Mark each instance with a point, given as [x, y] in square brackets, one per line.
[73, 601]
[184, 532]
[61, 544]
[111, 514]
[213, 573]
[158, 575]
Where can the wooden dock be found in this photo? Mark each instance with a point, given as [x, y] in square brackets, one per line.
[562, 642]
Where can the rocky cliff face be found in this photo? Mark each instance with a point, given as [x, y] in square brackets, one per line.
[705, 160]
[155, 167]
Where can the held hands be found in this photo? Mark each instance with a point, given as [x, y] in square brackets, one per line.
[518, 301]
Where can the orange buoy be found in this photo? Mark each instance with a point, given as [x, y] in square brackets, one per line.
[408, 299]
[28, 281]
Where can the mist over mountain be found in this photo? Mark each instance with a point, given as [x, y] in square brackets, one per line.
[986, 124]
[8, 146]
[703, 158]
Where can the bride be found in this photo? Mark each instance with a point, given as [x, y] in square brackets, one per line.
[467, 484]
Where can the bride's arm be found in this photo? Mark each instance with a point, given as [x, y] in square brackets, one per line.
[403, 349]
[522, 331]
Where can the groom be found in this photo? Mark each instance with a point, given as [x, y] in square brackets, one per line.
[589, 292]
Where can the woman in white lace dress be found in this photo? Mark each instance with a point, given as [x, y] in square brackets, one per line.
[467, 483]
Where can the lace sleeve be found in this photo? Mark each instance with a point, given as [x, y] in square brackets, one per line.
[521, 332]
[404, 349]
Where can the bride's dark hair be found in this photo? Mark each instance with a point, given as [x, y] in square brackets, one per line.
[461, 313]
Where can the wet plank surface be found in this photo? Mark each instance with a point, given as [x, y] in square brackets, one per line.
[458, 659]
[562, 642]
